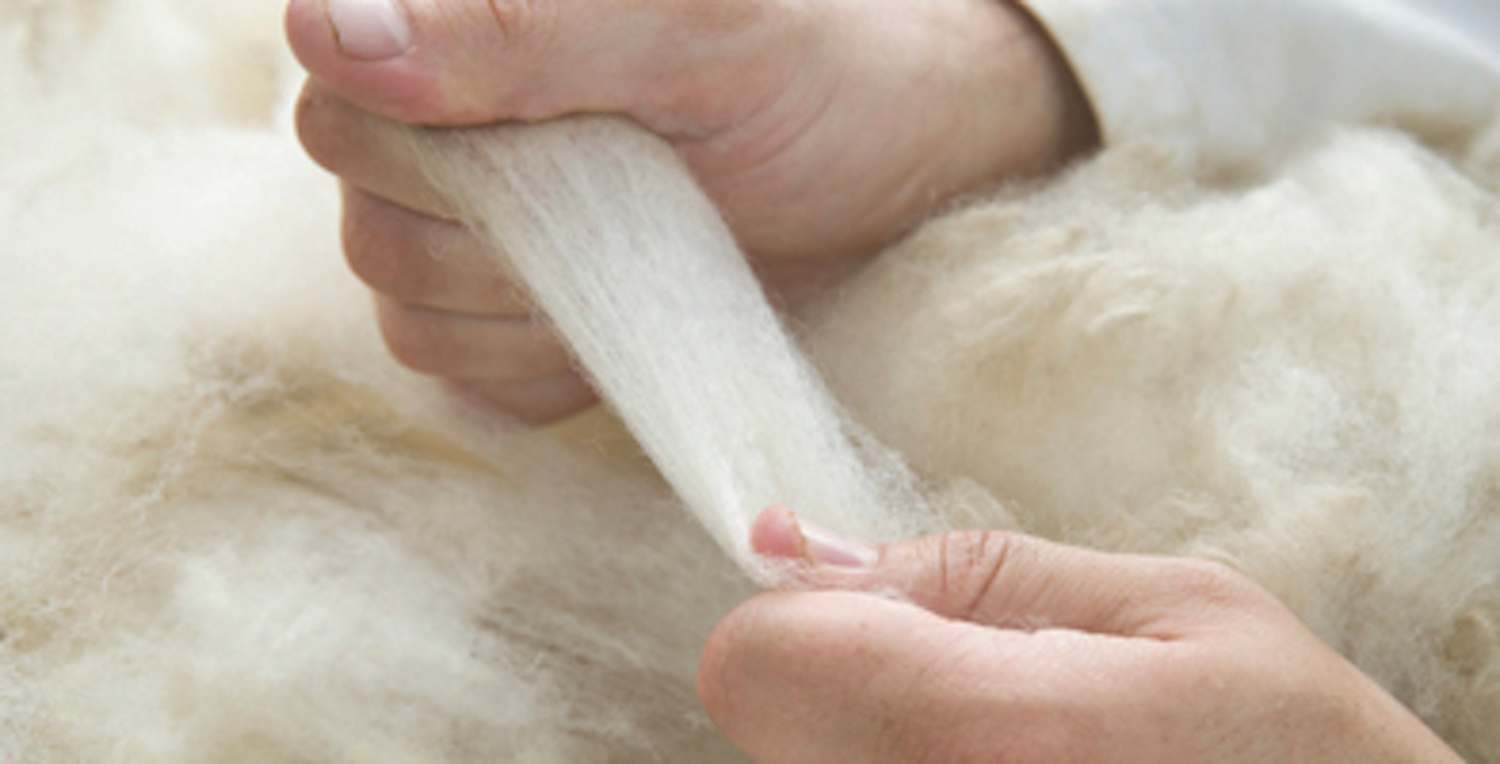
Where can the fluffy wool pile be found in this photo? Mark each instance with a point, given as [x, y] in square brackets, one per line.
[232, 529]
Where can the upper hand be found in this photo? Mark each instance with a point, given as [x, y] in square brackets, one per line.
[822, 129]
[1012, 649]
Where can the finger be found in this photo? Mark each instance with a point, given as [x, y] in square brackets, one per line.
[828, 677]
[470, 348]
[354, 145]
[810, 677]
[425, 261]
[1011, 580]
[535, 401]
[1016, 581]
[474, 61]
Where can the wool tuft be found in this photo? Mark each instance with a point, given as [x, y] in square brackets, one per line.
[1294, 376]
[233, 529]
[632, 263]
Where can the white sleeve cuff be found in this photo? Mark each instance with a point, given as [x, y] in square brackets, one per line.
[1226, 84]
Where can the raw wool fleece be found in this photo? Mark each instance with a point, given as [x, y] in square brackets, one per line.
[233, 530]
[1296, 377]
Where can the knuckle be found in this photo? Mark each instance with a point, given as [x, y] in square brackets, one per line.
[320, 129]
[468, 347]
[374, 262]
[413, 341]
[386, 259]
[533, 351]
[970, 564]
[520, 21]
[534, 402]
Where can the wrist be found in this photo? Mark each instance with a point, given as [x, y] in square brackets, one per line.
[1035, 116]
[1011, 105]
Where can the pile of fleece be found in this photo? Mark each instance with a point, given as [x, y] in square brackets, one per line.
[231, 529]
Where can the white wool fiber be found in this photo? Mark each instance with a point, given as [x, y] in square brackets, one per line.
[232, 529]
[634, 266]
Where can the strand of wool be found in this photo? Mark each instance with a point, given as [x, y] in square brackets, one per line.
[634, 266]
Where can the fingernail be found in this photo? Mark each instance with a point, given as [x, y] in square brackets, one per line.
[825, 547]
[371, 30]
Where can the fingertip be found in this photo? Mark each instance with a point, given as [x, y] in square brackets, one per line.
[816, 676]
[754, 669]
[369, 30]
[534, 402]
[318, 126]
[309, 33]
[365, 58]
[775, 533]
[355, 30]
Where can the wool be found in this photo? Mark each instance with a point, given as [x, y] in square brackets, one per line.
[233, 529]
[633, 265]
[1294, 376]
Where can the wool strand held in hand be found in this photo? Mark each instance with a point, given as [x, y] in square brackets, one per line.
[632, 263]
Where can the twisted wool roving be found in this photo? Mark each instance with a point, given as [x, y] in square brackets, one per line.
[633, 265]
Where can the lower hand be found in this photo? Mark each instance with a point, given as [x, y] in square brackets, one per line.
[1013, 649]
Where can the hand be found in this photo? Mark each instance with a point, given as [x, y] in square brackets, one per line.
[822, 129]
[1017, 650]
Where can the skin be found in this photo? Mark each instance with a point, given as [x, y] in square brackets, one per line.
[825, 129]
[1000, 647]
[785, 111]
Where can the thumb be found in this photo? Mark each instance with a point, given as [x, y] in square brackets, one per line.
[1011, 580]
[825, 676]
[456, 62]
